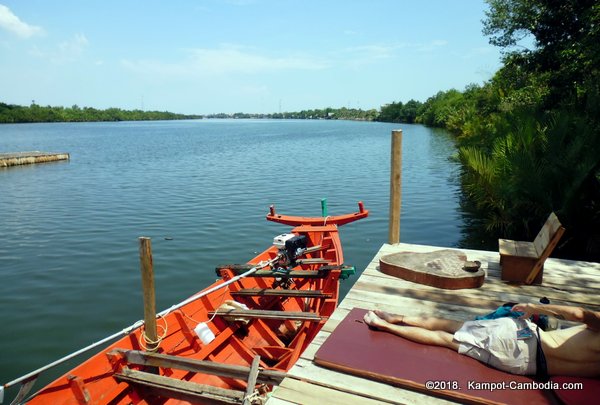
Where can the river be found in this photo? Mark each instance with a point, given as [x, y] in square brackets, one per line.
[69, 263]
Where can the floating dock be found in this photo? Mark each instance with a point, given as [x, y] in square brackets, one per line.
[565, 282]
[26, 158]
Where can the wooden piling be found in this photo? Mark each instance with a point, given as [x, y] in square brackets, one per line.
[395, 187]
[147, 270]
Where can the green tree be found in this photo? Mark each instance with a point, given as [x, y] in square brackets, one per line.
[566, 36]
[532, 144]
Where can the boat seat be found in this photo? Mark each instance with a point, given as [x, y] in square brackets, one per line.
[322, 272]
[270, 273]
[148, 359]
[277, 292]
[315, 260]
[266, 314]
[523, 261]
[190, 391]
[178, 389]
[291, 274]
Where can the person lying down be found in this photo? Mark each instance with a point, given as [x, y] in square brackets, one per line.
[510, 344]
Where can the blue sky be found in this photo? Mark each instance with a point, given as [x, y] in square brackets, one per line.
[255, 56]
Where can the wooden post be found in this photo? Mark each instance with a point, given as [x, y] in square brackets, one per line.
[395, 187]
[148, 291]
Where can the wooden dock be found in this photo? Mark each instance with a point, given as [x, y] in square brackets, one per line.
[564, 282]
[25, 158]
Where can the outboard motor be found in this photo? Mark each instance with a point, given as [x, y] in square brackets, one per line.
[290, 248]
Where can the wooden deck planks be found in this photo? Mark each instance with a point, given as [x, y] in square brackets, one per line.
[565, 282]
[308, 392]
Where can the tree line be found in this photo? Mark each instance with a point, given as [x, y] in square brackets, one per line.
[411, 112]
[11, 114]
[328, 113]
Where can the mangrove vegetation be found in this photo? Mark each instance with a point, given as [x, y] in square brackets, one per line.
[529, 138]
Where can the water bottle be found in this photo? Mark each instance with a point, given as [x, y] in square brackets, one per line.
[204, 333]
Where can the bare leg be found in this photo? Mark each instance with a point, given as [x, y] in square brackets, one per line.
[414, 333]
[425, 322]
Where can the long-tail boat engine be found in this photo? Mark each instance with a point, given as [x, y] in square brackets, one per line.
[291, 247]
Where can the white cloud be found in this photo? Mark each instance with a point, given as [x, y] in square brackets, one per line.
[66, 51]
[13, 24]
[236, 60]
[224, 60]
[374, 51]
[367, 54]
[240, 2]
[357, 57]
[73, 47]
[432, 46]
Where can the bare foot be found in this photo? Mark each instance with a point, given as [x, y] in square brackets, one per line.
[374, 321]
[391, 318]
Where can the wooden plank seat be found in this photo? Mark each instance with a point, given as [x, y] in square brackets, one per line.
[524, 261]
[167, 387]
[315, 260]
[291, 274]
[270, 377]
[238, 269]
[278, 292]
[266, 314]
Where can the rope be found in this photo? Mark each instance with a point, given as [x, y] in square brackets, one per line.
[255, 395]
[150, 345]
[212, 317]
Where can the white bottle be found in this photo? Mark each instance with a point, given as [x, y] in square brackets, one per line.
[204, 333]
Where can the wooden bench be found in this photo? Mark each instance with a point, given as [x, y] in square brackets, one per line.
[278, 292]
[148, 359]
[265, 314]
[167, 387]
[182, 390]
[524, 261]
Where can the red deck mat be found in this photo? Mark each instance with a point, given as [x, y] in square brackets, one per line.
[354, 348]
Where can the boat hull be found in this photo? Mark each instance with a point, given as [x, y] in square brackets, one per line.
[285, 312]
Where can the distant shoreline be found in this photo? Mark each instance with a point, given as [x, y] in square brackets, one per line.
[15, 114]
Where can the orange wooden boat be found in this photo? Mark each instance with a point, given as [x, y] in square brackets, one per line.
[231, 342]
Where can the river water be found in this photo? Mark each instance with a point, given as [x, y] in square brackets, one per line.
[69, 263]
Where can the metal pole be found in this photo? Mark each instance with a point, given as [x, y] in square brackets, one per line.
[395, 187]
